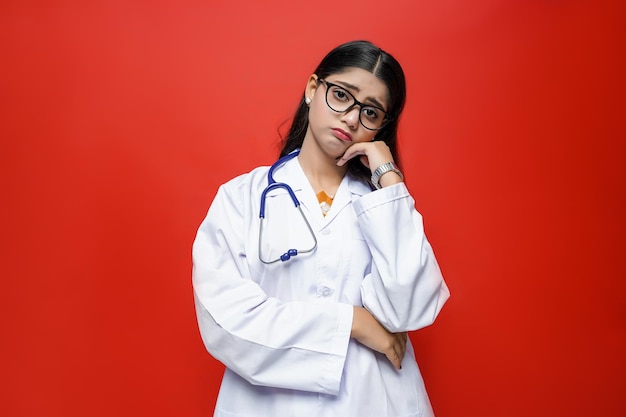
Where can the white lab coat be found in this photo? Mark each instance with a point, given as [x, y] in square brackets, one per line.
[283, 330]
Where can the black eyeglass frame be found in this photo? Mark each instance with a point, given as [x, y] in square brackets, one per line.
[356, 102]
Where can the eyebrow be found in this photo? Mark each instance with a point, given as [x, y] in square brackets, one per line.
[357, 89]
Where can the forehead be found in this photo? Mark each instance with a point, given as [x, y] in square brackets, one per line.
[362, 84]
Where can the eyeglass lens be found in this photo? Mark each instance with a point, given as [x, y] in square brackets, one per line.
[341, 100]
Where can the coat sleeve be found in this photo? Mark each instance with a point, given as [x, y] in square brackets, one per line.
[405, 290]
[293, 345]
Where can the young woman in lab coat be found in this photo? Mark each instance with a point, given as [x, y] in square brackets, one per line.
[323, 334]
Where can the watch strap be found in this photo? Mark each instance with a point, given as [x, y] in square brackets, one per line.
[383, 169]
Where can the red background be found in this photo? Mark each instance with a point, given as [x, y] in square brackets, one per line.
[119, 119]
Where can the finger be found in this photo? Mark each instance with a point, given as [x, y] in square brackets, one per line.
[399, 356]
[348, 156]
[394, 359]
[365, 161]
[400, 352]
[402, 342]
[351, 152]
[401, 339]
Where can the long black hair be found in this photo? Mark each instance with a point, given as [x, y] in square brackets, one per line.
[367, 56]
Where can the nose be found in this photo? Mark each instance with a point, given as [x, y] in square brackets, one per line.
[351, 117]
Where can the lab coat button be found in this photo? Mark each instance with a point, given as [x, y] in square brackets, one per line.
[326, 231]
[324, 292]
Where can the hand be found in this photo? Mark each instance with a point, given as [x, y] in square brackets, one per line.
[369, 332]
[372, 155]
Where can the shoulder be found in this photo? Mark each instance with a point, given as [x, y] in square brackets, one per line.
[249, 183]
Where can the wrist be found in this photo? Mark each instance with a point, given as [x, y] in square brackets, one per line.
[382, 171]
[390, 178]
[357, 320]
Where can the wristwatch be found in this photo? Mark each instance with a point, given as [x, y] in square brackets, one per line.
[384, 168]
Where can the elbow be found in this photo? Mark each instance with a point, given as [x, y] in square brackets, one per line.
[413, 313]
[426, 313]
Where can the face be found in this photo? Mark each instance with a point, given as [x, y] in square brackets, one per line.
[334, 131]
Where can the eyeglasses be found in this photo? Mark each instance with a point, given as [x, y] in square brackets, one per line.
[341, 100]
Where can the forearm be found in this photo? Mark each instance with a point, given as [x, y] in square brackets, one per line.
[369, 332]
[405, 289]
[312, 350]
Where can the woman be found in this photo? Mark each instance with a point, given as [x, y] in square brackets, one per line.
[322, 332]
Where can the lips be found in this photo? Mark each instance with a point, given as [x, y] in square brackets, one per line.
[341, 134]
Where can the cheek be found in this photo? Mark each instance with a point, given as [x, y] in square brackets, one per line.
[315, 111]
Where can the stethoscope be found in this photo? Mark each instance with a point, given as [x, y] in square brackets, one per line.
[272, 185]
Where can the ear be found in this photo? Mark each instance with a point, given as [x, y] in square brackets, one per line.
[311, 86]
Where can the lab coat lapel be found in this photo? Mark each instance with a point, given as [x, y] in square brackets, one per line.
[293, 175]
[349, 189]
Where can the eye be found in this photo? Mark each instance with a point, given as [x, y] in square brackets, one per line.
[340, 94]
[372, 113]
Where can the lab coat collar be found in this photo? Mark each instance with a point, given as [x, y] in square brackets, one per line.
[350, 188]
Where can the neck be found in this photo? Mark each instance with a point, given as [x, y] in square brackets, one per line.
[320, 169]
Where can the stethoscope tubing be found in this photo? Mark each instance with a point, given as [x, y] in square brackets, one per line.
[272, 185]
